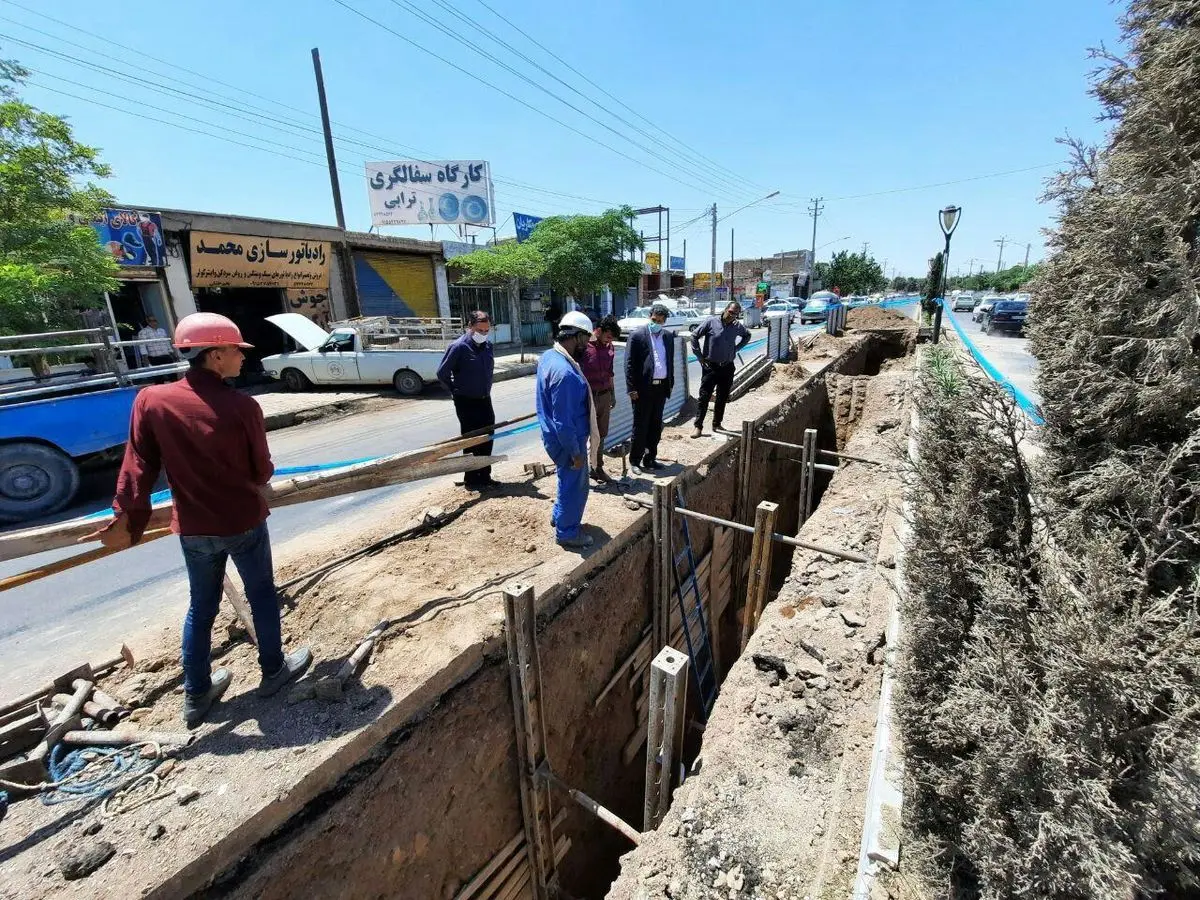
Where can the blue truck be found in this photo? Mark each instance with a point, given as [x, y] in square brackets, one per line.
[44, 444]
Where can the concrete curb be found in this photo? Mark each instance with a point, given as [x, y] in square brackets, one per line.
[277, 421]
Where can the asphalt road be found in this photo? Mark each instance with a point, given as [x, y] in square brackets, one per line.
[88, 611]
[1007, 352]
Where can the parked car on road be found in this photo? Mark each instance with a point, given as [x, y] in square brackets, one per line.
[1006, 315]
[783, 305]
[818, 306]
[677, 320]
[964, 302]
[341, 357]
[984, 307]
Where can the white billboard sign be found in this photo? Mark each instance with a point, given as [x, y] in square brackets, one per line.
[415, 192]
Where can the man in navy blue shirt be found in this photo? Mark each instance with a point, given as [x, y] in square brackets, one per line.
[466, 371]
[717, 343]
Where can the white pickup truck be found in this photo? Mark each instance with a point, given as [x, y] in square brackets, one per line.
[339, 357]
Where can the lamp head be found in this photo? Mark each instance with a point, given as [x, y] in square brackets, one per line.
[948, 219]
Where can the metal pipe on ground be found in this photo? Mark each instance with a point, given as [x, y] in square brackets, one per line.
[749, 529]
[604, 815]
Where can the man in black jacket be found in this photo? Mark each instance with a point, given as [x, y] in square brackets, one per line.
[649, 376]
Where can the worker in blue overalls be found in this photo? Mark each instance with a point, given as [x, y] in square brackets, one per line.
[564, 410]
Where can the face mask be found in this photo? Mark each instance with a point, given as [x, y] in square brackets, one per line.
[479, 337]
[655, 328]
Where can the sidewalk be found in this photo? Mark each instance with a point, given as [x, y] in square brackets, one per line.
[283, 410]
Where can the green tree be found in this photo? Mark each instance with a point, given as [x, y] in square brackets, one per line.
[576, 254]
[933, 285]
[852, 273]
[51, 266]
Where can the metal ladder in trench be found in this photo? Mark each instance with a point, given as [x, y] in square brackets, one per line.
[691, 610]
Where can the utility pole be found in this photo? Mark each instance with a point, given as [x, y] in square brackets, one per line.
[1027, 246]
[712, 285]
[865, 246]
[349, 279]
[732, 267]
[814, 210]
[1000, 260]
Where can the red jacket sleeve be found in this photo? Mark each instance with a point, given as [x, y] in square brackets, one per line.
[261, 467]
[139, 470]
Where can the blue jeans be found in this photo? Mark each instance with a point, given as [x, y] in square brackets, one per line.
[567, 514]
[205, 558]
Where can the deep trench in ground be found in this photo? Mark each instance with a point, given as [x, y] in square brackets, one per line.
[436, 802]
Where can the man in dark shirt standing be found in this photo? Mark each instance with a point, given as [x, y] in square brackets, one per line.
[722, 338]
[213, 445]
[597, 365]
[466, 371]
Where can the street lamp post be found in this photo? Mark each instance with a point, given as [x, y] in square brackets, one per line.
[948, 220]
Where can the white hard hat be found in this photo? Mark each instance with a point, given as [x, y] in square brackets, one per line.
[577, 321]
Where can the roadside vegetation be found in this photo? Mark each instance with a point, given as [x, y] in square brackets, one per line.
[1051, 705]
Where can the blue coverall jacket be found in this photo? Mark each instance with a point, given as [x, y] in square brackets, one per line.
[562, 410]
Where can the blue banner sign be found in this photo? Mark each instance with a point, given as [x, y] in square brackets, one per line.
[677, 264]
[133, 237]
[524, 225]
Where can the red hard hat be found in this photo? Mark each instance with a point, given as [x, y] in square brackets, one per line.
[202, 329]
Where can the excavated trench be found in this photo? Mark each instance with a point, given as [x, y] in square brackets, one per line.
[434, 811]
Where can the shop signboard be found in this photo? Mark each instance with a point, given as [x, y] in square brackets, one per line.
[701, 280]
[677, 263]
[417, 192]
[654, 261]
[312, 304]
[134, 237]
[237, 260]
[524, 225]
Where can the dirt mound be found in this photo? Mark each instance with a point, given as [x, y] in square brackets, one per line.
[877, 317]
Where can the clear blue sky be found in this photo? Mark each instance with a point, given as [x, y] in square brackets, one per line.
[836, 99]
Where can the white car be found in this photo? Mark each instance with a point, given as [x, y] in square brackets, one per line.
[782, 305]
[677, 320]
[340, 358]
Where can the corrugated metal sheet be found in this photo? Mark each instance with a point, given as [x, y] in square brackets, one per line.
[395, 284]
[777, 337]
[620, 427]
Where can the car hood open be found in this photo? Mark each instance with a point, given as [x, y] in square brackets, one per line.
[305, 332]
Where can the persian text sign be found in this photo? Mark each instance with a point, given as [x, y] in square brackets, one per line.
[524, 225]
[132, 236]
[235, 260]
[411, 192]
[677, 264]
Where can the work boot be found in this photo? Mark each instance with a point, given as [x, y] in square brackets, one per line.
[577, 543]
[717, 426]
[652, 464]
[699, 432]
[196, 706]
[294, 665]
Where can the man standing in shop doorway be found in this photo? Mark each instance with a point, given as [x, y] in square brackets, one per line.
[159, 353]
[466, 371]
[716, 343]
[649, 376]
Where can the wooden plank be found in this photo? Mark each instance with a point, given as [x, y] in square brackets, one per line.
[760, 567]
[511, 850]
[61, 565]
[664, 730]
[28, 541]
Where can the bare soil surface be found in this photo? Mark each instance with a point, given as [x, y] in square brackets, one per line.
[257, 762]
[877, 317]
[776, 807]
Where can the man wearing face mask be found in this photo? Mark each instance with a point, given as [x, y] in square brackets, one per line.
[568, 419]
[649, 376]
[466, 371]
[722, 338]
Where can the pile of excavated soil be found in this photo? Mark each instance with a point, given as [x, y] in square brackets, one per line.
[776, 807]
[262, 760]
[877, 317]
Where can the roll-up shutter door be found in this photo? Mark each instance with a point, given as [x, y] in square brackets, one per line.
[394, 284]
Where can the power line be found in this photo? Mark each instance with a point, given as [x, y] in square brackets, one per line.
[508, 94]
[698, 169]
[429, 20]
[617, 100]
[237, 105]
[922, 187]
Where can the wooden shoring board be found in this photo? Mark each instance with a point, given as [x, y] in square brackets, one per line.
[525, 677]
[760, 567]
[512, 856]
[665, 718]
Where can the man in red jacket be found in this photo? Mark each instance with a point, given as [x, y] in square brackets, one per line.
[212, 443]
